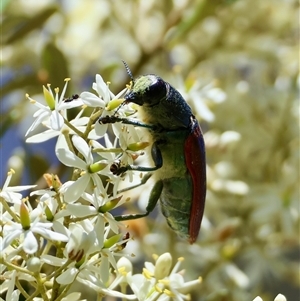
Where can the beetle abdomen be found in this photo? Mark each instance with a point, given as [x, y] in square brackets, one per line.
[176, 200]
[177, 193]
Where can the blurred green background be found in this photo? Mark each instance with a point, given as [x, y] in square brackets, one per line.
[238, 60]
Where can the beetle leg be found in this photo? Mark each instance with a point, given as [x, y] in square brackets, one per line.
[153, 199]
[114, 119]
[157, 159]
[145, 178]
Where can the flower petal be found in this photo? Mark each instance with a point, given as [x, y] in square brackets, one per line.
[40, 118]
[20, 188]
[70, 159]
[56, 121]
[75, 190]
[92, 100]
[41, 137]
[79, 210]
[83, 148]
[99, 189]
[75, 296]
[30, 244]
[68, 276]
[100, 86]
[51, 235]
[52, 260]
[100, 129]
[7, 239]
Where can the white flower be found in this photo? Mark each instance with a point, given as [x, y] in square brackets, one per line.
[73, 190]
[131, 142]
[8, 283]
[55, 110]
[96, 227]
[93, 208]
[124, 265]
[26, 231]
[77, 248]
[78, 122]
[105, 96]
[10, 194]
[92, 272]
[159, 283]
[102, 90]
[80, 242]
[109, 156]
[48, 208]
[162, 266]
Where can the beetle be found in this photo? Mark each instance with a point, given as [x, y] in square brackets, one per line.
[178, 153]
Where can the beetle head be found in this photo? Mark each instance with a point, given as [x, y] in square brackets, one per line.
[147, 90]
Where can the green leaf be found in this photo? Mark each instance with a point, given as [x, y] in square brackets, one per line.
[18, 26]
[55, 65]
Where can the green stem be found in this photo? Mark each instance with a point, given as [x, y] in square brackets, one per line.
[16, 268]
[8, 209]
[21, 289]
[41, 288]
[58, 271]
[64, 292]
[107, 150]
[68, 140]
[72, 127]
[94, 116]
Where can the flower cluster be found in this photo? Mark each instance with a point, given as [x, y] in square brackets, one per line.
[66, 231]
[159, 281]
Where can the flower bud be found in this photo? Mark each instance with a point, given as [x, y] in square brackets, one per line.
[96, 167]
[137, 146]
[111, 241]
[280, 297]
[163, 266]
[24, 217]
[110, 205]
[113, 104]
[49, 98]
[49, 214]
[34, 264]
[124, 264]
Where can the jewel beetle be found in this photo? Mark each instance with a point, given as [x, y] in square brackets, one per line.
[178, 153]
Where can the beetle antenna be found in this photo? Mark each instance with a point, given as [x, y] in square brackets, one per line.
[128, 70]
